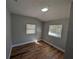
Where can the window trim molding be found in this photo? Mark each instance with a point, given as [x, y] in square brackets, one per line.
[31, 33]
[53, 35]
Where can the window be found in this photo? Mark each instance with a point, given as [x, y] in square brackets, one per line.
[55, 30]
[30, 28]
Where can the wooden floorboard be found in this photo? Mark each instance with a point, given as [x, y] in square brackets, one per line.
[36, 51]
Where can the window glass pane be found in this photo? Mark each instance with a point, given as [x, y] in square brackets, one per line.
[30, 28]
[55, 30]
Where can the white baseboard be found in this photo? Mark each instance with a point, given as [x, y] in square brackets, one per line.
[15, 45]
[10, 52]
[38, 40]
[54, 46]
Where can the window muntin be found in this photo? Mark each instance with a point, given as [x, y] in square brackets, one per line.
[30, 28]
[55, 30]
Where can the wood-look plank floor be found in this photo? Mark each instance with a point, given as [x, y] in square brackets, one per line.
[36, 51]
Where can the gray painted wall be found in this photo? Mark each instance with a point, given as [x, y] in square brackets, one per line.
[69, 44]
[56, 41]
[19, 31]
[8, 35]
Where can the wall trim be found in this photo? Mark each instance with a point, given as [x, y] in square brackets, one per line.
[15, 45]
[54, 46]
[10, 53]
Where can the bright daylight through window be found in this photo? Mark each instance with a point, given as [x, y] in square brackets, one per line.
[30, 28]
[55, 30]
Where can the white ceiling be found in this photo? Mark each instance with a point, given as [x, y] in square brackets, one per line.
[58, 9]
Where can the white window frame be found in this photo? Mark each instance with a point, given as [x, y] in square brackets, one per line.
[54, 32]
[30, 28]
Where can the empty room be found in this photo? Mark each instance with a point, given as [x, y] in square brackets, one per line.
[39, 29]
